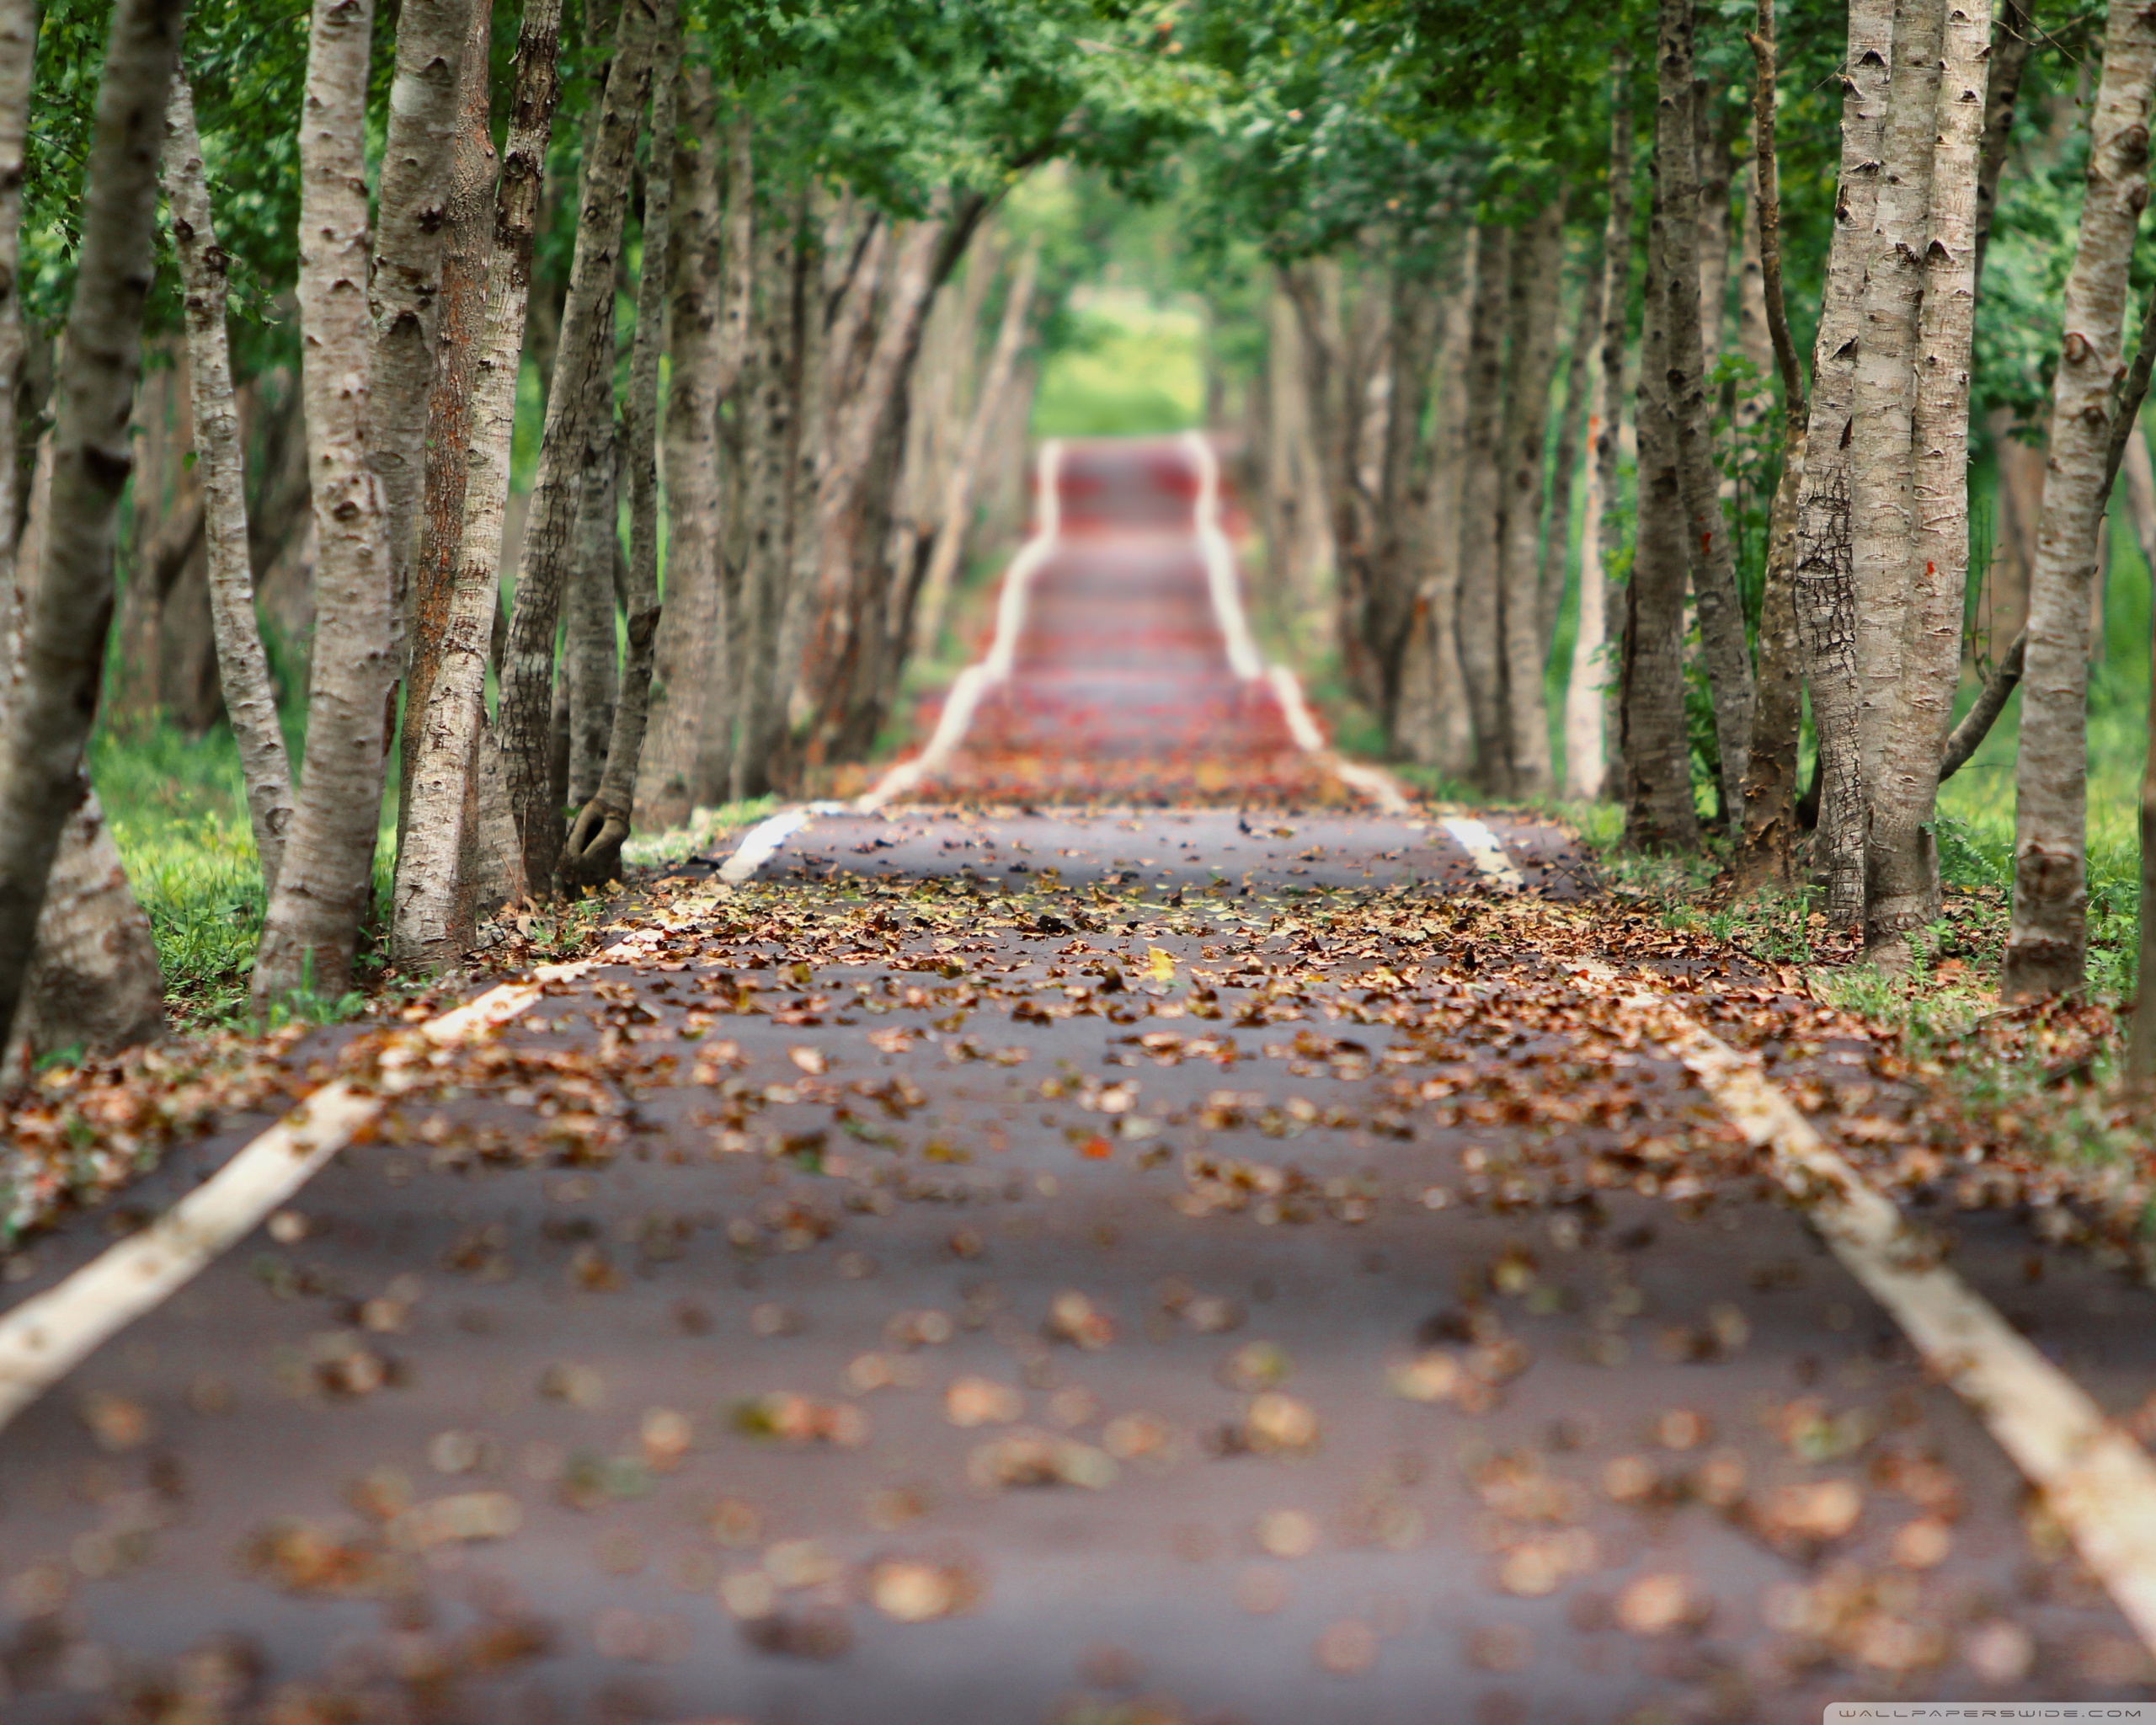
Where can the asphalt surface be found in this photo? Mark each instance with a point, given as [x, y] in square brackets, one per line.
[1092, 1266]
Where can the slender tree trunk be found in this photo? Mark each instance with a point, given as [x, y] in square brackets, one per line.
[70, 606]
[18, 51]
[250, 701]
[417, 186]
[955, 526]
[1765, 856]
[771, 402]
[1901, 863]
[595, 842]
[1481, 494]
[432, 924]
[1389, 606]
[1538, 259]
[1451, 747]
[1712, 548]
[2047, 943]
[1586, 698]
[1659, 811]
[94, 983]
[311, 928]
[1826, 595]
[1715, 160]
[715, 744]
[589, 646]
[1881, 454]
[467, 244]
[689, 655]
[2011, 38]
[1587, 341]
[566, 449]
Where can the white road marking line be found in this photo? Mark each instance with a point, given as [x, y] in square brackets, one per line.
[47, 1336]
[1220, 558]
[2099, 1483]
[761, 842]
[1226, 594]
[1488, 856]
[977, 678]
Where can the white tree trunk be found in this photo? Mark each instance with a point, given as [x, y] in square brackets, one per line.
[244, 668]
[689, 658]
[431, 920]
[1881, 454]
[1903, 863]
[1826, 599]
[1538, 257]
[2048, 943]
[312, 929]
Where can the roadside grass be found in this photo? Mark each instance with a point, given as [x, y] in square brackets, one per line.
[178, 809]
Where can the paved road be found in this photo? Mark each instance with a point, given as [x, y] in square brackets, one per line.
[1188, 1265]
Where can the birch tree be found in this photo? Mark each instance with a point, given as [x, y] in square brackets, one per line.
[1587, 772]
[1901, 865]
[593, 849]
[312, 926]
[70, 604]
[1711, 548]
[2047, 943]
[1883, 540]
[242, 666]
[689, 656]
[431, 914]
[1538, 254]
[566, 451]
[1765, 852]
[1659, 812]
[1826, 595]
[1481, 495]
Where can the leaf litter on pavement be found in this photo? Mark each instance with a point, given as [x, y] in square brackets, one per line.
[1362, 1027]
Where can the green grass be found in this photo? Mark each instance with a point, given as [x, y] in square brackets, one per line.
[178, 807]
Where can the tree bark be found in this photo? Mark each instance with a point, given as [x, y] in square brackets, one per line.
[1481, 494]
[1826, 597]
[1538, 257]
[1586, 343]
[689, 655]
[770, 387]
[250, 701]
[467, 245]
[1587, 697]
[1881, 452]
[1711, 550]
[595, 842]
[1902, 863]
[433, 906]
[311, 930]
[69, 609]
[715, 747]
[568, 449]
[2011, 38]
[17, 51]
[590, 643]
[1659, 811]
[1765, 852]
[413, 204]
[955, 525]
[2048, 942]
[1712, 122]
